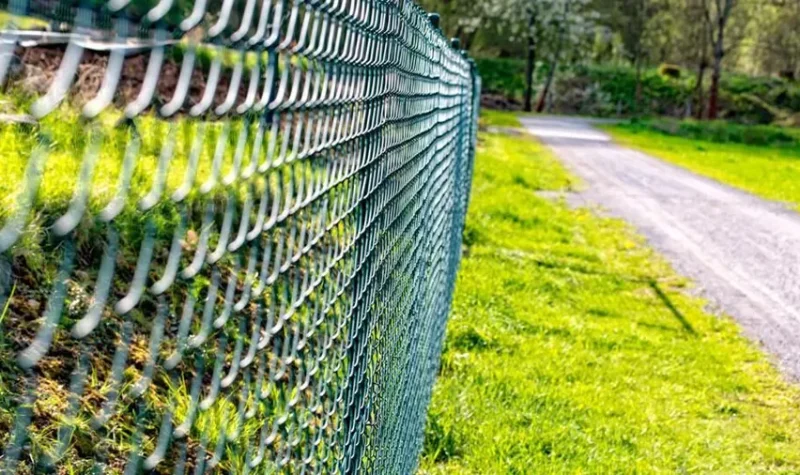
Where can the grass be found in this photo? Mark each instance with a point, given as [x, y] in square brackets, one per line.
[21, 22]
[65, 137]
[498, 118]
[720, 131]
[771, 171]
[573, 348]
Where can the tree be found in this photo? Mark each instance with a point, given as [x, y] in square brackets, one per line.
[690, 44]
[566, 23]
[776, 44]
[458, 18]
[560, 20]
[531, 26]
[539, 13]
[636, 17]
[530, 57]
[717, 14]
[697, 48]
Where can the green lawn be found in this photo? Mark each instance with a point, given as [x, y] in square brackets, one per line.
[497, 118]
[573, 348]
[772, 172]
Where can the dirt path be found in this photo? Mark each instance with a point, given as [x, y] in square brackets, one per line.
[742, 251]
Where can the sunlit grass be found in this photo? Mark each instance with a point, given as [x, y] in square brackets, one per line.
[496, 118]
[772, 172]
[573, 348]
[67, 144]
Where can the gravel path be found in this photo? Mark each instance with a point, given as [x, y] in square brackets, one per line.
[743, 251]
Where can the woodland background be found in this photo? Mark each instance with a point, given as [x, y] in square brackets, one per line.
[731, 59]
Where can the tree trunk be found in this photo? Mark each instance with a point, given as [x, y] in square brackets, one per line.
[713, 96]
[546, 89]
[530, 65]
[698, 88]
[719, 53]
[549, 81]
[562, 31]
[468, 37]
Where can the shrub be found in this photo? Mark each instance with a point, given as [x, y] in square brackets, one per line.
[722, 132]
[660, 95]
[502, 76]
[670, 71]
[610, 89]
[579, 95]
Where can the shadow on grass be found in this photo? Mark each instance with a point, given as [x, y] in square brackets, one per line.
[653, 284]
[672, 308]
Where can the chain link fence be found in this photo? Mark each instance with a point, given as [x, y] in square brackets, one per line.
[229, 232]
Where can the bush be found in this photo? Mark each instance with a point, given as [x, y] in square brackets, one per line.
[670, 71]
[660, 95]
[787, 75]
[580, 95]
[502, 76]
[722, 132]
[610, 89]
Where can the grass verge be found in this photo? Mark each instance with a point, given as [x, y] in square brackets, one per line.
[497, 118]
[770, 171]
[573, 348]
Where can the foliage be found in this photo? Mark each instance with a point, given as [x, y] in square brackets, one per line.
[758, 39]
[635, 22]
[660, 94]
[596, 89]
[609, 89]
[719, 132]
[774, 44]
[502, 75]
[770, 171]
[670, 71]
[586, 354]
[499, 28]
